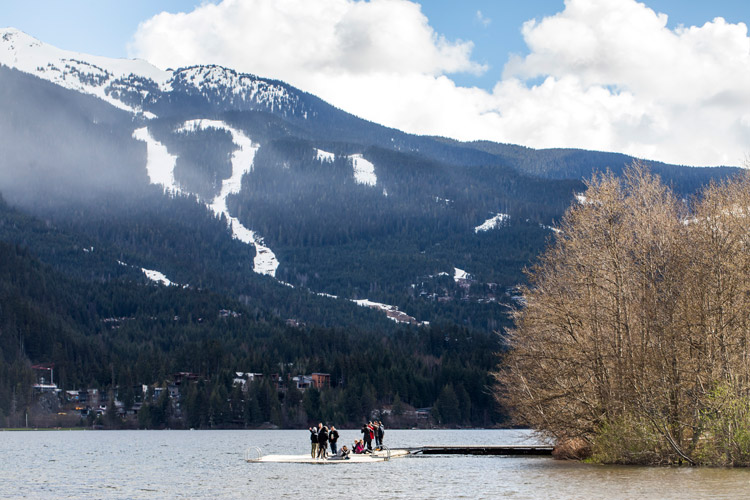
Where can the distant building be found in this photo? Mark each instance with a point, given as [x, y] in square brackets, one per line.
[183, 377]
[321, 380]
[423, 413]
[316, 380]
[303, 382]
[243, 378]
[45, 378]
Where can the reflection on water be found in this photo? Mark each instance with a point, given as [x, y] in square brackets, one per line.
[209, 464]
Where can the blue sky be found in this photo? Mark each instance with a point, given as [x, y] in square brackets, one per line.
[596, 74]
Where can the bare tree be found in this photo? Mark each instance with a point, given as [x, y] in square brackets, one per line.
[634, 329]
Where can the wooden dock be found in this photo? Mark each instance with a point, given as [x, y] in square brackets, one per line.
[512, 449]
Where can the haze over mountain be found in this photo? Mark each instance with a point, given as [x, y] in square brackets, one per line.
[116, 174]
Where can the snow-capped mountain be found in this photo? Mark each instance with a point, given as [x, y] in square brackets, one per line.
[98, 76]
[138, 86]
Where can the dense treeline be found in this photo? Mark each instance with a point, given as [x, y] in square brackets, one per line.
[634, 335]
[203, 160]
[117, 336]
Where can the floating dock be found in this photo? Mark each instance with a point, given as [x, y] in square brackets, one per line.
[379, 456]
[255, 455]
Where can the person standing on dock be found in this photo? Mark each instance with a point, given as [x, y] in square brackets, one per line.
[375, 434]
[323, 442]
[333, 437]
[367, 435]
[314, 441]
[379, 434]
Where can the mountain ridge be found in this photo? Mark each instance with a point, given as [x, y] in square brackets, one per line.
[132, 83]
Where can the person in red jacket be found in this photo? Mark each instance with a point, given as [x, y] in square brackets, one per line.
[367, 435]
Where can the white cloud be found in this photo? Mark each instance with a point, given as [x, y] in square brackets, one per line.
[601, 74]
[295, 38]
[482, 19]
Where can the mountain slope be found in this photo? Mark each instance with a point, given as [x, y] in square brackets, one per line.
[206, 175]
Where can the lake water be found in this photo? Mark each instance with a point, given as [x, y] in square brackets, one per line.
[210, 464]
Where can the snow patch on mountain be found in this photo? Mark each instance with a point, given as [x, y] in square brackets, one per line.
[364, 171]
[321, 155]
[235, 90]
[160, 165]
[581, 199]
[551, 228]
[460, 275]
[493, 222]
[157, 277]
[391, 312]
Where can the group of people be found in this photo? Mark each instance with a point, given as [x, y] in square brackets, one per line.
[372, 431]
[321, 437]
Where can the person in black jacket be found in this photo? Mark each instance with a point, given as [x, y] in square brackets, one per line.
[333, 437]
[323, 442]
[379, 434]
[367, 436]
[314, 441]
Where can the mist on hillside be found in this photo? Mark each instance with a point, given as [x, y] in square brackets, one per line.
[63, 148]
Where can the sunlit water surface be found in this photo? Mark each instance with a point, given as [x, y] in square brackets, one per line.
[210, 464]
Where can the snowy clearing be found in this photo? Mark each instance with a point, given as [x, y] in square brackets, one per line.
[364, 171]
[391, 311]
[460, 275]
[157, 277]
[493, 222]
[324, 155]
[551, 228]
[160, 165]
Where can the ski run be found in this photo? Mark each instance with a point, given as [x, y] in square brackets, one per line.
[160, 166]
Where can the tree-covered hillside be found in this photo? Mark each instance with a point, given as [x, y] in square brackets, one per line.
[95, 196]
[116, 336]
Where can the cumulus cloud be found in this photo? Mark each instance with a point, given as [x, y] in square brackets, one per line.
[295, 38]
[601, 74]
